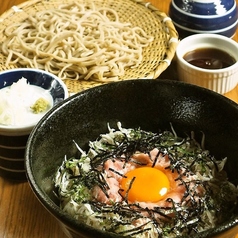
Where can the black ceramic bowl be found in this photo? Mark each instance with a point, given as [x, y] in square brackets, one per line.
[13, 138]
[148, 104]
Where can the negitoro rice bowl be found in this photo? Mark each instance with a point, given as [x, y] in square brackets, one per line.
[86, 171]
[143, 184]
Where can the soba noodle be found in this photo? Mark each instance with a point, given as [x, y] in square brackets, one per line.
[76, 42]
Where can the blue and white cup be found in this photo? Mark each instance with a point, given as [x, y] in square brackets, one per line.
[204, 16]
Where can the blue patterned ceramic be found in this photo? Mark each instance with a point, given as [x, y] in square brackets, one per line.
[204, 16]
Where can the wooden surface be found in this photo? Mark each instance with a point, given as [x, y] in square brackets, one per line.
[21, 214]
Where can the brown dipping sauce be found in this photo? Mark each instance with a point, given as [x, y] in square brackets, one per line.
[209, 58]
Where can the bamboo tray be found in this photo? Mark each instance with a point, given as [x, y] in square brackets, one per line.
[157, 56]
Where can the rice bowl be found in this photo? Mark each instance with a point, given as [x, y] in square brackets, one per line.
[161, 102]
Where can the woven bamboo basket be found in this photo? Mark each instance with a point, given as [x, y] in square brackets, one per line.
[156, 56]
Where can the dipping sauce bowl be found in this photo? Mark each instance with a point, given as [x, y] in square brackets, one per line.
[208, 60]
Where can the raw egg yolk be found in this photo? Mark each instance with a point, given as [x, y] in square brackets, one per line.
[144, 184]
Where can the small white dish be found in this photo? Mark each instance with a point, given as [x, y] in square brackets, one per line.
[220, 80]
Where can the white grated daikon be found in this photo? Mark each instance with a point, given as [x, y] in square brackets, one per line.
[16, 102]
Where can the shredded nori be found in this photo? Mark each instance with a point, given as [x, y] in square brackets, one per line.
[184, 218]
